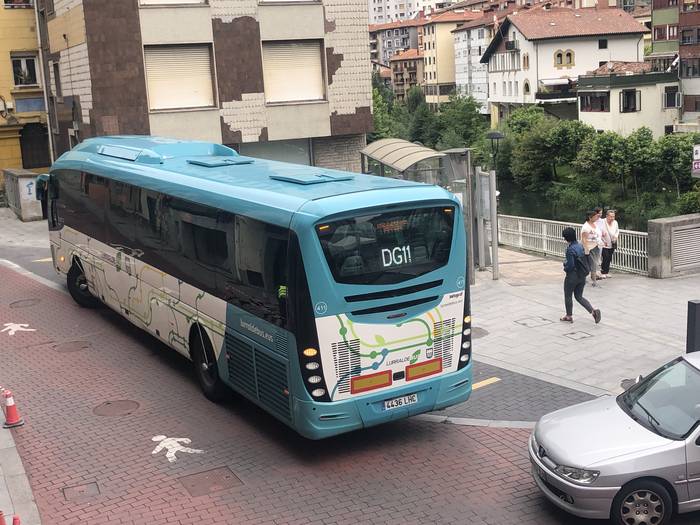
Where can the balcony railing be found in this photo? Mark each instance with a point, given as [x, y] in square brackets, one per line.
[555, 95]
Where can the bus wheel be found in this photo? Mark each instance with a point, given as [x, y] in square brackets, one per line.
[78, 287]
[205, 368]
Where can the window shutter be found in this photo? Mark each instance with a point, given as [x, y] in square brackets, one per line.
[679, 100]
[179, 76]
[292, 71]
[622, 101]
[638, 100]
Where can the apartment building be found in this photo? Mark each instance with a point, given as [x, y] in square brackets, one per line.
[280, 80]
[537, 56]
[23, 128]
[624, 96]
[385, 40]
[384, 11]
[436, 42]
[664, 34]
[406, 72]
[689, 55]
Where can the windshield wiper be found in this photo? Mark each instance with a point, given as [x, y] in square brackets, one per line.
[652, 420]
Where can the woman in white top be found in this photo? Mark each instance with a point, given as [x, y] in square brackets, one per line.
[590, 240]
[611, 232]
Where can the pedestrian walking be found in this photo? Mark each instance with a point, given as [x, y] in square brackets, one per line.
[611, 232]
[590, 238]
[577, 268]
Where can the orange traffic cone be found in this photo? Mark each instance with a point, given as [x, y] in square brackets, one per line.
[12, 417]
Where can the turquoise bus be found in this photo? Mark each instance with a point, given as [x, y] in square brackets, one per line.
[333, 300]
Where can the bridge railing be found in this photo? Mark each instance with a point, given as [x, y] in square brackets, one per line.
[544, 237]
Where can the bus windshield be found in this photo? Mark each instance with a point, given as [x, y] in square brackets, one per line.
[387, 248]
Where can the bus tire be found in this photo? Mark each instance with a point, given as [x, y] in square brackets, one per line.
[205, 369]
[78, 287]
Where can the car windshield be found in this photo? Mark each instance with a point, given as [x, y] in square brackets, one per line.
[666, 402]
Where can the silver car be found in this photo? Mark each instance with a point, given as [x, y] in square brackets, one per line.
[634, 458]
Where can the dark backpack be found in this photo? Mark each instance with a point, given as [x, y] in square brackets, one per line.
[583, 265]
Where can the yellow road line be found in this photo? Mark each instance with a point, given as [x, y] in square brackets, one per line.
[48, 259]
[486, 382]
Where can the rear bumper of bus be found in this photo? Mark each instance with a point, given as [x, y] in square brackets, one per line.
[321, 420]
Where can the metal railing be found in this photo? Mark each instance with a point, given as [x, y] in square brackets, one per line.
[544, 237]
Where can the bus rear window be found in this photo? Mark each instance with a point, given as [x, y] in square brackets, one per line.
[387, 248]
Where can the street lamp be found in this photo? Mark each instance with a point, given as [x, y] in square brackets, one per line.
[495, 137]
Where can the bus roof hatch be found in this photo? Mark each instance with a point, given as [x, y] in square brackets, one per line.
[311, 178]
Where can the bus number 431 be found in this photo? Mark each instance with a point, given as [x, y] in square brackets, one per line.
[396, 256]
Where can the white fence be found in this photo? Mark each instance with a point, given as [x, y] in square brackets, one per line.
[542, 236]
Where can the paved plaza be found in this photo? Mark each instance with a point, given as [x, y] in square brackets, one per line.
[117, 430]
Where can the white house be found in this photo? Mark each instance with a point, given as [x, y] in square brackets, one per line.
[471, 76]
[537, 55]
[624, 96]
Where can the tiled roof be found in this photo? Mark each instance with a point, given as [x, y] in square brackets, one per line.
[409, 54]
[622, 68]
[452, 16]
[412, 22]
[487, 18]
[561, 22]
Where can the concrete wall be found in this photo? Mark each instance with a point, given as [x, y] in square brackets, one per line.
[341, 153]
[659, 245]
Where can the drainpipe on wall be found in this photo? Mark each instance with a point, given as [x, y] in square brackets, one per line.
[47, 82]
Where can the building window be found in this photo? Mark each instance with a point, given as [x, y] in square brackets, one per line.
[515, 88]
[558, 58]
[179, 76]
[595, 102]
[687, 36]
[174, 2]
[671, 97]
[569, 58]
[480, 34]
[510, 88]
[57, 79]
[24, 69]
[630, 100]
[10, 4]
[293, 71]
[494, 88]
[690, 68]
[526, 61]
[526, 88]
[603, 43]
[660, 33]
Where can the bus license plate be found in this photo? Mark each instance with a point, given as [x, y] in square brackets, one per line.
[402, 401]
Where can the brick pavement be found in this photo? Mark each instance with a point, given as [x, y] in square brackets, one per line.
[406, 472]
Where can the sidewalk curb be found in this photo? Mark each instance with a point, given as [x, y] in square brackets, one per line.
[38, 278]
[464, 421]
[16, 496]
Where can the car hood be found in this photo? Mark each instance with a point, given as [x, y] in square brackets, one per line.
[592, 432]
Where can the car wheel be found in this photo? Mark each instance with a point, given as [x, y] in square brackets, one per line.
[78, 287]
[642, 502]
[205, 367]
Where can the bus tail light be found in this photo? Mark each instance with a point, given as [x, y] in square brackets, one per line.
[368, 382]
[465, 350]
[426, 368]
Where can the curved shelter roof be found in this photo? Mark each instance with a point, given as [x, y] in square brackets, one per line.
[399, 154]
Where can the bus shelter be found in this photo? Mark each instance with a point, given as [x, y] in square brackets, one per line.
[451, 169]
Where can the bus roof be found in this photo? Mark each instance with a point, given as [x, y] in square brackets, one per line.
[215, 175]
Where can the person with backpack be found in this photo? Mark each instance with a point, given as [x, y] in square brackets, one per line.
[577, 267]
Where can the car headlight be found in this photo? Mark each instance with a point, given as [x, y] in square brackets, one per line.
[577, 475]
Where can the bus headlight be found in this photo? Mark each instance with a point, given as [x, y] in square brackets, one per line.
[464, 358]
[312, 365]
[310, 352]
[318, 392]
[314, 379]
[465, 353]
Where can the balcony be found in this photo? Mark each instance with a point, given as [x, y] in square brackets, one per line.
[559, 95]
[556, 90]
[18, 4]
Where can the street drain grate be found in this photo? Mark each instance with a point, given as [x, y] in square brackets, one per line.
[210, 481]
[24, 303]
[72, 346]
[81, 492]
[533, 322]
[479, 332]
[121, 407]
[577, 336]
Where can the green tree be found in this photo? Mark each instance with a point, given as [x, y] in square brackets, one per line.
[603, 155]
[461, 122]
[524, 118]
[380, 117]
[532, 157]
[565, 139]
[675, 158]
[386, 93]
[425, 127]
[414, 98]
[643, 159]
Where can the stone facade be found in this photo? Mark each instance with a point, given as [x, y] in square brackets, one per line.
[339, 152]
